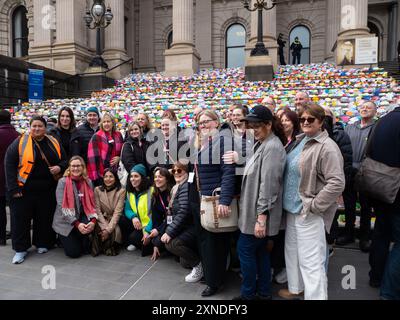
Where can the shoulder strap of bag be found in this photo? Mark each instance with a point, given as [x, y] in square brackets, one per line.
[41, 153]
[370, 138]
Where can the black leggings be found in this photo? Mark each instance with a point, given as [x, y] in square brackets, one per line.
[76, 244]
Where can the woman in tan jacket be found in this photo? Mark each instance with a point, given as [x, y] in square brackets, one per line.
[110, 200]
[313, 181]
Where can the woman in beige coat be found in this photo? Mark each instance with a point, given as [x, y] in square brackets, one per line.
[110, 200]
[313, 181]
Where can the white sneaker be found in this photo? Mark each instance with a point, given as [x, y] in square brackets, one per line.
[195, 275]
[19, 257]
[42, 250]
[131, 247]
[281, 277]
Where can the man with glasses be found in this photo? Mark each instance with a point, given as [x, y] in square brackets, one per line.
[358, 133]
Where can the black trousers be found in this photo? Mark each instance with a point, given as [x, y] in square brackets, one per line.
[132, 236]
[184, 251]
[76, 244]
[382, 237]
[3, 218]
[296, 56]
[278, 252]
[350, 197]
[213, 250]
[40, 208]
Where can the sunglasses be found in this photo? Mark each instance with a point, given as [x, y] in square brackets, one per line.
[309, 120]
[178, 171]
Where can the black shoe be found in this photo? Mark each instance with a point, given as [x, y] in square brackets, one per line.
[374, 283]
[8, 235]
[263, 298]
[209, 291]
[3, 242]
[241, 298]
[344, 240]
[365, 245]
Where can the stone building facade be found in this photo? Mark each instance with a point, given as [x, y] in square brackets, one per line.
[52, 33]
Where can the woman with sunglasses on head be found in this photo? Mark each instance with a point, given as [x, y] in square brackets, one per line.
[110, 201]
[75, 217]
[163, 183]
[180, 236]
[136, 224]
[314, 179]
[135, 148]
[104, 149]
[65, 131]
[260, 203]
[212, 173]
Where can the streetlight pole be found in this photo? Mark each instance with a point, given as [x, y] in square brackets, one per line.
[98, 17]
[260, 5]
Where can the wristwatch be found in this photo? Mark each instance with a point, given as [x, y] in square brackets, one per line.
[261, 224]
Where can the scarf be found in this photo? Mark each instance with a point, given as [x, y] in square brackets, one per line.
[68, 204]
[100, 153]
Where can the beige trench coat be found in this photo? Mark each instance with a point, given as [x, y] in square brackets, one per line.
[109, 208]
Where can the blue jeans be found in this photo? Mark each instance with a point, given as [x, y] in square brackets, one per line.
[255, 266]
[390, 288]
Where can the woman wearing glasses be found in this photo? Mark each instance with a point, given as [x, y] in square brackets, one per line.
[213, 173]
[180, 236]
[313, 181]
[75, 217]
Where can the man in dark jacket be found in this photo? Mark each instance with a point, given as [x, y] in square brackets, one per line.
[281, 45]
[8, 135]
[385, 266]
[336, 133]
[358, 133]
[86, 131]
[296, 48]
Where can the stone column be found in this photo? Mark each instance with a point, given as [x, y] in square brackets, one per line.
[353, 25]
[392, 41]
[146, 36]
[269, 39]
[204, 32]
[333, 17]
[40, 51]
[182, 58]
[354, 17]
[115, 51]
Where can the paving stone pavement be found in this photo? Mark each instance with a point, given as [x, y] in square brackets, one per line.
[129, 276]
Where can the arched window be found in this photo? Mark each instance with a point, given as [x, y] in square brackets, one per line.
[304, 35]
[20, 32]
[169, 40]
[235, 44]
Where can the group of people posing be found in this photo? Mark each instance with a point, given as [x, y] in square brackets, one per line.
[91, 190]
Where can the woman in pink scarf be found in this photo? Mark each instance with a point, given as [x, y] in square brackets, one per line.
[104, 150]
[75, 216]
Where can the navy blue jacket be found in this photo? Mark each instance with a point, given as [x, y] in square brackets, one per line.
[213, 173]
[385, 140]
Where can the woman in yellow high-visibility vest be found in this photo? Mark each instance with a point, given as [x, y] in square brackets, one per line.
[136, 224]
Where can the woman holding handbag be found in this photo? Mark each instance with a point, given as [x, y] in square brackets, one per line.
[260, 203]
[33, 164]
[212, 173]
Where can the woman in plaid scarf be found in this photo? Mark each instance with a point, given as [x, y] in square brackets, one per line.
[104, 149]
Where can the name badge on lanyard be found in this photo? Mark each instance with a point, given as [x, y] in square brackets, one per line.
[169, 219]
[191, 177]
[111, 141]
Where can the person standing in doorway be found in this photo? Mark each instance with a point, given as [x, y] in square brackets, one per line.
[296, 48]
[281, 45]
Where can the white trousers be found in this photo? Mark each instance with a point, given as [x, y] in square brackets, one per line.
[305, 256]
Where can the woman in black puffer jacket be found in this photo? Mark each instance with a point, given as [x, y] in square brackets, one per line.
[180, 237]
[135, 148]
